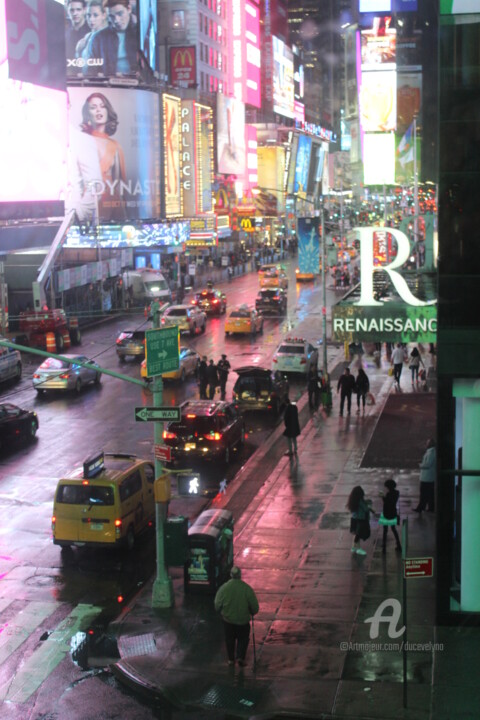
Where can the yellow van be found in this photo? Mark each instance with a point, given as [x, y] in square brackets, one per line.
[108, 501]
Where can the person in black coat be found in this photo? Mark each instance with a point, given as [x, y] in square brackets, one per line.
[362, 386]
[223, 368]
[212, 379]
[390, 512]
[202, 377]
[346, 384]
[292, 426]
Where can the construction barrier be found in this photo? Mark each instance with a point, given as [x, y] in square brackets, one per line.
[50, 342]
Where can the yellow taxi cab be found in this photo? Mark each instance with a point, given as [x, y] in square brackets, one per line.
[274, 278]
[189, 360]
[106, 502]
[301, 276]
[244, 319]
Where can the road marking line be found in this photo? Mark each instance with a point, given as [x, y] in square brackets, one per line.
[50, 654]
[17, 630]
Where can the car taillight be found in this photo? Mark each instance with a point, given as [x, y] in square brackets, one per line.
[276, 299]
[275, 360]
[167, 435]
[214, 302]
[162, 320]
[194, 302]
[64, 376]
[118, 523]
[303, 361]
[36, 375]
[54, 520]
[215, 436]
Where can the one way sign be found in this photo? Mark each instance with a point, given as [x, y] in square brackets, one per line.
[151, 414]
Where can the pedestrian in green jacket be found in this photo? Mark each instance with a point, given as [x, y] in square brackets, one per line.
[237, 602]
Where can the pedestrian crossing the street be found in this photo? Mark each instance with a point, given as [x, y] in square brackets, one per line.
[36, 668]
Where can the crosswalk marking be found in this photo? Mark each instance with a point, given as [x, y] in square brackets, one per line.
[17, 630]
[46, 658]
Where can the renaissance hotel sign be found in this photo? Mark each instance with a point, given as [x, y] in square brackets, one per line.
[403, 318]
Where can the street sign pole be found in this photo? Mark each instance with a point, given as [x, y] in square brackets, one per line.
[162, 593]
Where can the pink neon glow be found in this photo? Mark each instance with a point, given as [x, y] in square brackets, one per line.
[33, 128]
[3, 33]
[252, 49]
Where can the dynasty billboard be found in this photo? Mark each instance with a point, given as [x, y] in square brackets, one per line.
[114, 162]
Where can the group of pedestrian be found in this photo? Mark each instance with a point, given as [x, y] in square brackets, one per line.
[399, 357]
[361, 508]
[348, 384]
[211, 376]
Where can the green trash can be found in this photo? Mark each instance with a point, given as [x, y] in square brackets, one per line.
[175, 538]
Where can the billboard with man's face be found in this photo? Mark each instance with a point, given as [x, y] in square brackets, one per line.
[92, 38]
[114, 158]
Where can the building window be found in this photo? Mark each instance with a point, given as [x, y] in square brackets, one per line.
[177, 19]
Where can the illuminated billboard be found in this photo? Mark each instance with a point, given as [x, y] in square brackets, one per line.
[271, 171]
[204, 148]
[33, 41]
[171, 155]
[409, 99]
[197, 158]
[378, 101]
[114, 162]
[129, 236]
[147, 25]
[379, 45]
[252, 49]
[33, 149]
[183, 66]
[231, 150]
[302, 164]
[92, 34]
[379, 158]
[283, 82]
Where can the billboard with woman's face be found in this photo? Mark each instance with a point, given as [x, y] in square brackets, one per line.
[114, 155]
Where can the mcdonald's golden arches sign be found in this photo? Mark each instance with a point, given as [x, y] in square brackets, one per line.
[183, 66]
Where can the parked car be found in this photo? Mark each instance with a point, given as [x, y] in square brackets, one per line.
[55, 374]
[189, 318]
[244, 319]
[295, 355]
[207, 430]
[211, 301]
[16, 425]
[271, 300]
[189, 360]
[259, 388]
[10, 363]
[130, 343]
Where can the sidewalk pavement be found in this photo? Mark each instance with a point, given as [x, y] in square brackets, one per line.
[315, 656]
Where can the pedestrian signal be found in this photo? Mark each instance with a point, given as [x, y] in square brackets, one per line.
[189, 485]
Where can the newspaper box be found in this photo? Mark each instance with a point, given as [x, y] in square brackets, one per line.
[209, 552]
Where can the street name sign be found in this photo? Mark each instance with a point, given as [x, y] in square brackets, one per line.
[418, 567]
[152, 414]
[162, 350]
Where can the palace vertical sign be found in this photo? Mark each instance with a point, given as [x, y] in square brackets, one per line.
[188, 158]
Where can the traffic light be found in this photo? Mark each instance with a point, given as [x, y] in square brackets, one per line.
[189, 485]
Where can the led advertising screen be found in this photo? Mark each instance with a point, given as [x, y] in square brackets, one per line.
[129, 236]
[271, 171]
[378, 101]
[308, 245]
[379, 158]
[351, 72]
[283, 84]
[302, 164]
[252, 40]
[231, 148]
[291, 164]
[147, 25]
[379, 45]
[204, 147]
[409, 99]
[33, 149]
[172, 108]
[183, 66]
[35, 45]
[92, 34]
[114, 159]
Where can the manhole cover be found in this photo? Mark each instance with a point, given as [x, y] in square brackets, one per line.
[40, 580]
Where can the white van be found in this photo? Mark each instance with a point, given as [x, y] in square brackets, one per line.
[146, 286]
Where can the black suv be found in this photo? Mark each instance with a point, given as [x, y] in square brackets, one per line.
[271, 300]
[211, 301]
[131, 343]
[207, 430]
[260, 389]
